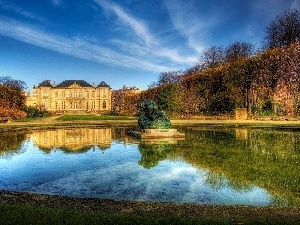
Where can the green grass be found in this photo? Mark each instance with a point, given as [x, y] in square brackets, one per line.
[94, 117]
[18, 214]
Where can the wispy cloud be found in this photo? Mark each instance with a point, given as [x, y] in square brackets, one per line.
[149, 47]
[187, 21]
[75, 47]
[135, 25]
[56, 2]
[295, 4]
[14, 8]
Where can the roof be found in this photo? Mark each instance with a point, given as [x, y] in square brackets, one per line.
[45, 83]
[103, 84]
[67, 83]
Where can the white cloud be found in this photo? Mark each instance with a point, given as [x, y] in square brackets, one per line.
[295, 4]
[80, 48]
[186, 19]
[14, 8]
[138, 27]
[150, 46]
[56, 2]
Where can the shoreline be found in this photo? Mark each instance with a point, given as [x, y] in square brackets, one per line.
[274, 214]
[53, 123]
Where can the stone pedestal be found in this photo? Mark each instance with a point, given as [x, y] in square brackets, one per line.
[241, 114]
[157, 133]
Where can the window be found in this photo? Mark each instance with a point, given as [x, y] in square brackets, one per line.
[80, 94]
[70, 94]
[45, 93]
[75, 94]
[56, 104]
[87, 94]
[104, 105]
[93, 94]
[56, 94]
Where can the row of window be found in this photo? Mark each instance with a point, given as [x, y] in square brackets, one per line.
[75, 105]
[74, 94]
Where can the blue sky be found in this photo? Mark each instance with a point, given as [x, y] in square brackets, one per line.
[123, 42]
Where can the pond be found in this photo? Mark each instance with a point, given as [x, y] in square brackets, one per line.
[212, 165]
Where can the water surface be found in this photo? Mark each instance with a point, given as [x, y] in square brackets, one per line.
[210, 166]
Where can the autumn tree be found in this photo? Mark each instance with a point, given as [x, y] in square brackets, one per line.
[12, 99]
[283, 30]
[211, 57]
[168, 98]
[171, 77]
[238, 50]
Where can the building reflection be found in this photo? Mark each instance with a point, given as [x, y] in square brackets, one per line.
[73, 140]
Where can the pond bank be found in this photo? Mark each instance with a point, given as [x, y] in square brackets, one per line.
[53, 122]
[275, 215]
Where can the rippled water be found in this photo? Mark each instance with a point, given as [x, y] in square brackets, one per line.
[210, 166]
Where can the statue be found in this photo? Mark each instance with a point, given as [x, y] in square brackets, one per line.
[150, 117]
[154, 124]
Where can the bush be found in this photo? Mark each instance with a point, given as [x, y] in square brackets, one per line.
[13, 113]
[35, 112]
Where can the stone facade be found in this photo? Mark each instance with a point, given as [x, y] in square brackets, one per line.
[71, 96]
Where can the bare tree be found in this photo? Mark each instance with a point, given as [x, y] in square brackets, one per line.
[284, 30]
[238, 50]
[212, 57]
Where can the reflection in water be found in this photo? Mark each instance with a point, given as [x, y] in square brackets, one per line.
[10, 142]
[213, 166]
[72, 140]
[241, 134]
[152, 154]
[268, 159]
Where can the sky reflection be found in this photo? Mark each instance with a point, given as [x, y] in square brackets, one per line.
[116, 174]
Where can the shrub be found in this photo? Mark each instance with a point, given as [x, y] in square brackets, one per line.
[13, 113]
[35, 112]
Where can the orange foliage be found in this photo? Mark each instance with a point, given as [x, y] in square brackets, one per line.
[13, 113]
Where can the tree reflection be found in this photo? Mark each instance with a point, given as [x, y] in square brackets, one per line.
[10, 142]
[268, 159]
[152, 154]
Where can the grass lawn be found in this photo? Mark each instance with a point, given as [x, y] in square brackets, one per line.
[20, 214]
[94, 117]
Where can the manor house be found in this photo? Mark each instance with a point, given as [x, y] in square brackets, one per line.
[71, 96]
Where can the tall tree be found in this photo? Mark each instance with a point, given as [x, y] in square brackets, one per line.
[212, 57]
[11, 94]
[12, 99]
[283, 30]
[169, 98]
[238, 50]
[171, 77]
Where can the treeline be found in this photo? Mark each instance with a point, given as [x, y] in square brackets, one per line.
[265, 81]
